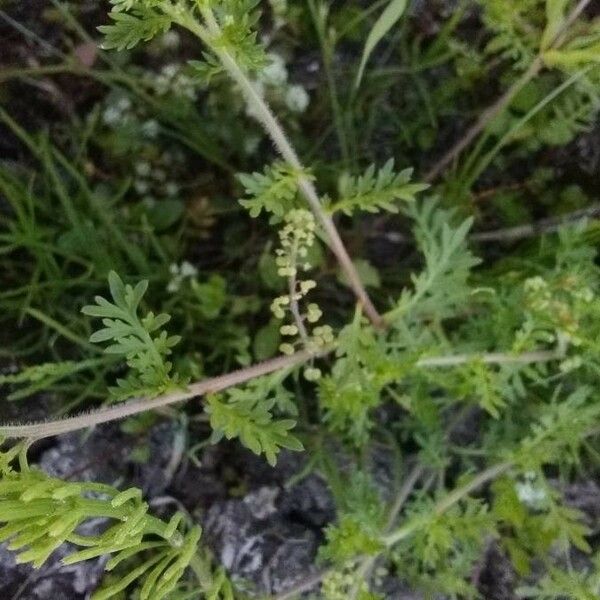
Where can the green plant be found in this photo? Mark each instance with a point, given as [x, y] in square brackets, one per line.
[139, 340]
[508, 341]
[40, 513]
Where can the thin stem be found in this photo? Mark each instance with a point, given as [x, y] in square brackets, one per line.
[492, 358]
[303, 586]
[405, 491]
[549, 225]
[44, 429]
[366, 566]
[319, 14]
[112, 413]
[487, 158]
[497, 107]
[292, 284]
[450, 500]
[263, 114]
[484, 119]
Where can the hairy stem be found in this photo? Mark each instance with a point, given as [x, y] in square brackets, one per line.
[45, 429]
[492, 358]
[263, 114]
[138, 405]
[548, 225]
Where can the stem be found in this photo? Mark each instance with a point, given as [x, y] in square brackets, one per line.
[492, 358]
[450, 500]
[484, 119]
[487, 158]
[320, 21]
[303, 586]
[263, 114]
[497, 107]
[112, 413]
[549, 225]
[405, 491]
[44, 429]
[292, 283]
[366, 566]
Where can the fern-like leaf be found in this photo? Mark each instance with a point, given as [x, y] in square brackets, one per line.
[246, 413]
[376, 190]
[442, 285]
[139, 340]
[134, 21]
[273, 191]
[41, 377]
[237, 19]
[40, 513]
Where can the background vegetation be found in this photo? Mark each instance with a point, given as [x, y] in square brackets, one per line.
[153, 238]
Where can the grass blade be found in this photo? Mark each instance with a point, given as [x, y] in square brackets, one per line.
[393, 11]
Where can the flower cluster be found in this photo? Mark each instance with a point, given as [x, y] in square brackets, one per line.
[172, 79]
[273, 82]
[531, 492]
[559, 304]
[296, 238]
[151, 178]
[117, 110]
[179, 273]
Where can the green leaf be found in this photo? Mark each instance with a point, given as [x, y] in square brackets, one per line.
[267, 340]
[374, 191]
[368, 274]
[389, 17]
[273, 191]
[128, 30]
[40, 513]
[139, 340]
[555, 18]
[247, 413]
[442, 286]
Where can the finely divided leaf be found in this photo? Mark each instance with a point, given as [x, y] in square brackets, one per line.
[273, 191]
[140, 341]
[376, 190]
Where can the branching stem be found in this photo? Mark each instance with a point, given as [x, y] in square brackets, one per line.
[46, 429]
[450, 500]
[294, 308]
[263, 114]
[138, 405]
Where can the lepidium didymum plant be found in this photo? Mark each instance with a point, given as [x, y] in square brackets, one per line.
[517, 348]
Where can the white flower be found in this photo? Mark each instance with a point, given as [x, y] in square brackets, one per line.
[179, 274]
[531, 494]
[275, 73]
[150, 128]
[124, 104]
[297, 98]
[171, 189]
[251, 144]
[142, 168]
[111, 115]
[188, 269]
[141, 186]
[170, 40]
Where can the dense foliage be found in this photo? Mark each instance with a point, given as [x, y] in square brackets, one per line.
[474, 365]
